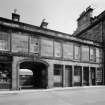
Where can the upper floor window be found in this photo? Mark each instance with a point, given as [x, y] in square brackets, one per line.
[77, 52]
[92, 54]
[85, 53]
[68, 50]
[57, 49]
[98, 55]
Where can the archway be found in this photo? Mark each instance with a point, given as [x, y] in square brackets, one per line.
[33, 75]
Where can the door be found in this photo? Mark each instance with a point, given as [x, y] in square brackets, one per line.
[68, 76]
[93, 76]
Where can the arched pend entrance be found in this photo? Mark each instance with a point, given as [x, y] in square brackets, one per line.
[33, 75]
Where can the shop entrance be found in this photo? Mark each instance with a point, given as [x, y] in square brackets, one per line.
[93, 75]
[33, 75]
[68, 76]
[85, 76]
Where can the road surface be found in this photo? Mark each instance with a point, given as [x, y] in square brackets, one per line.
[75, 96]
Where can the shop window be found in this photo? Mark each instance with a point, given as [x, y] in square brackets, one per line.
[5, 76]
[77, 76]
[77, 52]
[58, 75]
[57, 69]
[99, 76]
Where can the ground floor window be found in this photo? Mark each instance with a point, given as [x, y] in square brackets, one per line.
[58, 75]
[5, 75]
[99, 76]
[77, 78]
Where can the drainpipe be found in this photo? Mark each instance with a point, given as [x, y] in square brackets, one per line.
[103, 54]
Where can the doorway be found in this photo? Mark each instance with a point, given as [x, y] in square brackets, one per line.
[68, 76]
[33, 75]
[93, 75]
[85, 76]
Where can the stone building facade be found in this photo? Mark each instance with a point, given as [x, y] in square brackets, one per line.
[54, 59]
[93, 29]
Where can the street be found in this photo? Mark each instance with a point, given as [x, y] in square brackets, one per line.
[75, 96]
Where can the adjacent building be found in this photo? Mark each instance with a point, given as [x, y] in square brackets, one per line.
[37, 57]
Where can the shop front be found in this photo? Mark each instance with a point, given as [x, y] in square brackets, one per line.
[5, 72]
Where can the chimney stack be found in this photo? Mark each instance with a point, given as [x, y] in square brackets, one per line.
[85, 18]
[15, 16]
[43, 24]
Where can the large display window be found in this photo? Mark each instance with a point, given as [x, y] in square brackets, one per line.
[5, 75]
[58, 75]
[92, 54]
[77, 76]
[99, 76]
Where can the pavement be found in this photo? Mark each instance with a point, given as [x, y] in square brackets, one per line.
[6, 91]
[87, 95]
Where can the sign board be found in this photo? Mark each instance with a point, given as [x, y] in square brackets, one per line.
[68, 50]
[19, 43]
[34, 45]
[57, 49]
[4, 41]
[47, 47]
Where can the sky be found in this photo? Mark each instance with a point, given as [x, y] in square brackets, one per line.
[61, 15]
